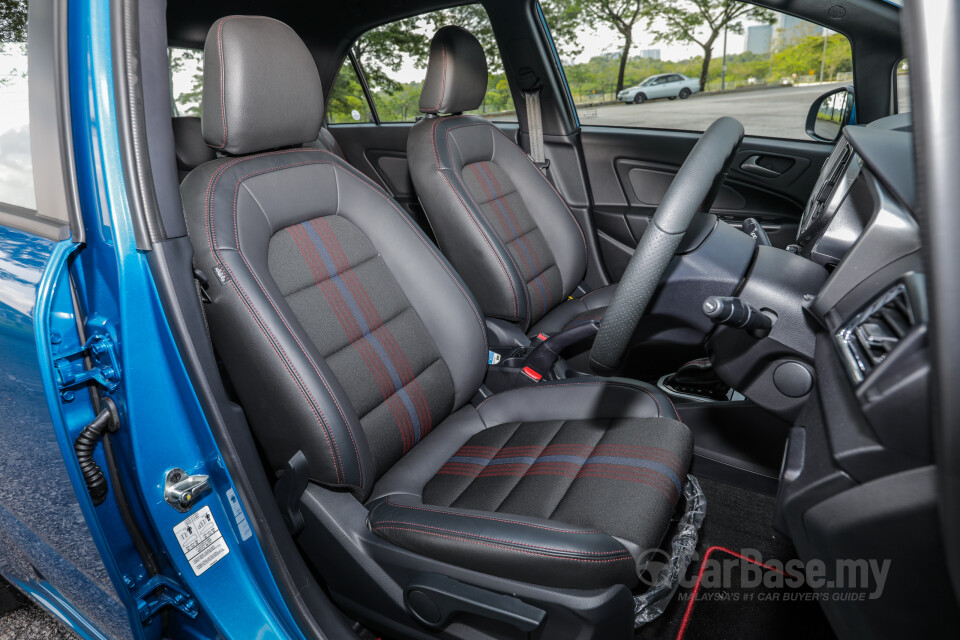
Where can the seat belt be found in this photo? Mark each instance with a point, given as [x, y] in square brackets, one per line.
[535, 124]
[531, 87]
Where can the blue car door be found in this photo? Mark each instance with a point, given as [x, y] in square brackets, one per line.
[46, 547]
[98, 416]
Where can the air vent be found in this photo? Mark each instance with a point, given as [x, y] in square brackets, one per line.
[872, 334]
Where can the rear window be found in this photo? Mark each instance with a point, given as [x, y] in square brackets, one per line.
[393, 59]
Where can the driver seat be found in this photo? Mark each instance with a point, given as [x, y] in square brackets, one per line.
[496, 217]
[356, 349]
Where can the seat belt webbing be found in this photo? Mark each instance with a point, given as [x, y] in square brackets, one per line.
[535, 124]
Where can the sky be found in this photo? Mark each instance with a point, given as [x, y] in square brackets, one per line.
[16, 173]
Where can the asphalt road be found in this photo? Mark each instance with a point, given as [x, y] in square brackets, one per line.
[780, 112]
[32, 623]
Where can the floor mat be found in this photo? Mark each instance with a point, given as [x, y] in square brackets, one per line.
[738, 585]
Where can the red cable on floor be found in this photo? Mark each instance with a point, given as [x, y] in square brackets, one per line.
[696, 587]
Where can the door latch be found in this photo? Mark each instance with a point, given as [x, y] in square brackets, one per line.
[181, 491]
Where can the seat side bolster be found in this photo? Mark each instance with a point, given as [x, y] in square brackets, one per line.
[527, 549]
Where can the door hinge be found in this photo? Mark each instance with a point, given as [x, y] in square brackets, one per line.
[159, 592]
[71, 368]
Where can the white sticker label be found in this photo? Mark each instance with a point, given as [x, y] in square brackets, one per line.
[242, 525]
[201, 540]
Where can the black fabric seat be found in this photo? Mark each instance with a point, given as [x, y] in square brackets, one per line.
[496, 217]
[349, 338]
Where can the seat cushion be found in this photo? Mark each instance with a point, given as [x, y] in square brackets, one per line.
[560, 501]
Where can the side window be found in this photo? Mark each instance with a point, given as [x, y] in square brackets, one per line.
[186, 80]
[393, 58]
[732, 58]
[16, 165]
[346, 102]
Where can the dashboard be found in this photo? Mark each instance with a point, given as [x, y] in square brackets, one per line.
[864, 434]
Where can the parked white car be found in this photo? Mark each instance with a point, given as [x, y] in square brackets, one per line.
[664, 85]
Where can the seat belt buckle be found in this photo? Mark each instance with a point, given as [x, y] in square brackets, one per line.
[532, 374]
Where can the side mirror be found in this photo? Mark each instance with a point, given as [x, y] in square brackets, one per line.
[829, 114]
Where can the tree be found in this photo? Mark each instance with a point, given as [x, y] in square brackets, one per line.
[13, 21]
[701, 22]
[13, 37]
[383, 50]
[188, 61]
[622, 15]
[565, 18]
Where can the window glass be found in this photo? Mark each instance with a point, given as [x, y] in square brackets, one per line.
[393, 58]
[16, 167]
[346, 102]
[730, 58]
[902, 78]
[186, 80]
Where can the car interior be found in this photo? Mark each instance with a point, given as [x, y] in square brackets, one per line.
[473, 378]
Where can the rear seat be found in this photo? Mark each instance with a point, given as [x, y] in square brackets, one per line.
[192, 151]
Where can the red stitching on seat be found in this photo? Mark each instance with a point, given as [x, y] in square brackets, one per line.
[483, 234]
[223, 110]
[517, 542]
[443, 78]
[582, 384]
[497, 546]
[470, 515]
[211, 240]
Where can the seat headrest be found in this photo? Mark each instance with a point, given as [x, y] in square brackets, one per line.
[261, 87]
[456, 73]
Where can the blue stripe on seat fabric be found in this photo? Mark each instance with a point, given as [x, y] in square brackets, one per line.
[354, 307]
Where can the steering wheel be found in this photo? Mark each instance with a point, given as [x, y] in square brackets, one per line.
[693, 190]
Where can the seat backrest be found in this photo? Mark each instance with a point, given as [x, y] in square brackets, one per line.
[346, 335]
[496, 217]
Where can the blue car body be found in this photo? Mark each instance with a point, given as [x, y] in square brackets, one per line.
[77, 560]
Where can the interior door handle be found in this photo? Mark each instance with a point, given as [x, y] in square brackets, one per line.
[750, 166]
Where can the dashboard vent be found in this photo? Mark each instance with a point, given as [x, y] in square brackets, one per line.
[872, 334]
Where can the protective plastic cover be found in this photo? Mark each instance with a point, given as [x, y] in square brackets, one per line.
[649, 605]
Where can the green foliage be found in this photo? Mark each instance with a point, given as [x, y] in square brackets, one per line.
[346, 95]
[595, 80]
[187, 61]
[620, 15]
[701, 22]
[13, 37]
[13, 21]
[383, 51]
